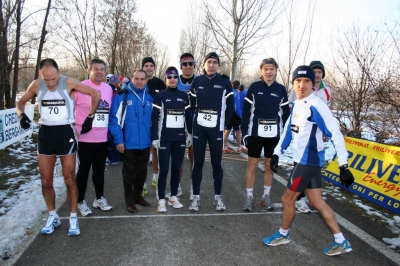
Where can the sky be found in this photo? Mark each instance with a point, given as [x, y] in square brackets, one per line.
[165, 21]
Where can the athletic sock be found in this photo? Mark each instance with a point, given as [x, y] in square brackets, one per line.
[155, 176]
[339, 238]
[283, 232]
[73, 215]
[54, 213]
[267, 189]
[249, 192]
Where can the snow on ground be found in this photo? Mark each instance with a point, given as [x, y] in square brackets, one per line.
[22, 208]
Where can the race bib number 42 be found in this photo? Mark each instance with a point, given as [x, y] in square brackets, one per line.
[175, 118]
[207, 117]
[54, 110]
[101, 117]
[267, 128]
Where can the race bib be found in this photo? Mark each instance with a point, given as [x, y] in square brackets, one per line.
[175, 118]
[267, 128]
[101, 117]
[54, 110]
[207, 117]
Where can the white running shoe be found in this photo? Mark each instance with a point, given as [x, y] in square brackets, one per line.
[174, 201]
[84, 209]
[74, 229]
[219, 205]
[195, 204]
[302, 206]
[161, 206]
[53, 221]
[179, 193]
[102, 204]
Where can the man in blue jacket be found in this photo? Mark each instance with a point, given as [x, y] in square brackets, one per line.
[129, 124]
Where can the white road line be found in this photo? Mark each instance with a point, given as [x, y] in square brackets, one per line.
[364, 236]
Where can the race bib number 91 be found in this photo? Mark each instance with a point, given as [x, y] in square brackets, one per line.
[267, 128]
[207, 117]
[175, 118]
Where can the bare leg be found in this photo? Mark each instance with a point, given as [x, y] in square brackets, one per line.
[68, 166]
[289, 209]
[268, 175]
[238, 140]
[252, 164]
[226, 135]
[46, 169]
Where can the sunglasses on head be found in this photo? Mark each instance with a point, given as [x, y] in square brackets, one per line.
[187, 63]
[172, 77]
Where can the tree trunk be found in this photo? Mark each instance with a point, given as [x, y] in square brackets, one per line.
[16, 53]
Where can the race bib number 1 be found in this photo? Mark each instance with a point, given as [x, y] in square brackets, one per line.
[267, 128]
[101, 117]
[207, 117]
[175, 118]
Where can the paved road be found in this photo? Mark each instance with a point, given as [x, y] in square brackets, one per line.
[208, 237]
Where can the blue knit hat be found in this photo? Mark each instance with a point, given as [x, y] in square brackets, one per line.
[304, 72]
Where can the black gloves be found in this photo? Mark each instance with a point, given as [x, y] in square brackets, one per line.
[346, 177]
[24, 121]
[274, 163]
[87, 125]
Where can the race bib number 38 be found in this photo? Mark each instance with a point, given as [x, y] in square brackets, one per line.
[101, 117]
[207, 117]
[54, 110]
[267, 128]
[175, 118]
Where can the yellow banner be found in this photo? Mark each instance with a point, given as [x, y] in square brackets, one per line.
[376, 170]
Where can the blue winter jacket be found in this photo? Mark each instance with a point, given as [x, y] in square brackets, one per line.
[133, 127]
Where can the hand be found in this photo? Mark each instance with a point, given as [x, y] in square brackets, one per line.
[245, 141]
[87, 125]
[120, 148]
[189, 140]
[274, 163]
[346, 177]
[24, 121]
[156, 144]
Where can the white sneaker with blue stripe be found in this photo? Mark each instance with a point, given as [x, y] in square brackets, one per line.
[53, 221]
[338, 249]
[74, 229]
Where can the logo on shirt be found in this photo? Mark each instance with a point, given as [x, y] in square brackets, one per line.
[219, 138]
[218, 86]
[200, 88]
[260, 93]
[180, 100]
[129, 102]
[183, 145]
[167, 100]
[273, 94]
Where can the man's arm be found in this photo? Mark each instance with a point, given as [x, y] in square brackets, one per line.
[31, 92]
[74, 84]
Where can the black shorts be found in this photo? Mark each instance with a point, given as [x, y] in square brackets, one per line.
[303, 177]
[235, 122]
[255, 145]
[57, 140]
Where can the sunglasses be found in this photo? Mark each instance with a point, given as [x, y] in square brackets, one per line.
[187, 63]
[172, 77]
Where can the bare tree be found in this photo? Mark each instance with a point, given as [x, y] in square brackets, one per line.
[238, 26]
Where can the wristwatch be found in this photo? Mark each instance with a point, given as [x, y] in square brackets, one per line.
[343, 167]
[91, 116]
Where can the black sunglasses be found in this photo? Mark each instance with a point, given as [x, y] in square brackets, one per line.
[172, 77]
[187, 63]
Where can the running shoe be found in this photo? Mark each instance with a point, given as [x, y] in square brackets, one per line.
[84, 209]
[302, 206]
[174, 201]
[337, 249]
[74, 229]
[241, 149]
[219, 205]
[194, 206]
[249, 204]
[108, 161]
[267, 203]
[53, 221]
[227, 150]
[102, 204]
[161, 206]
[145, 190]
[276, 239]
